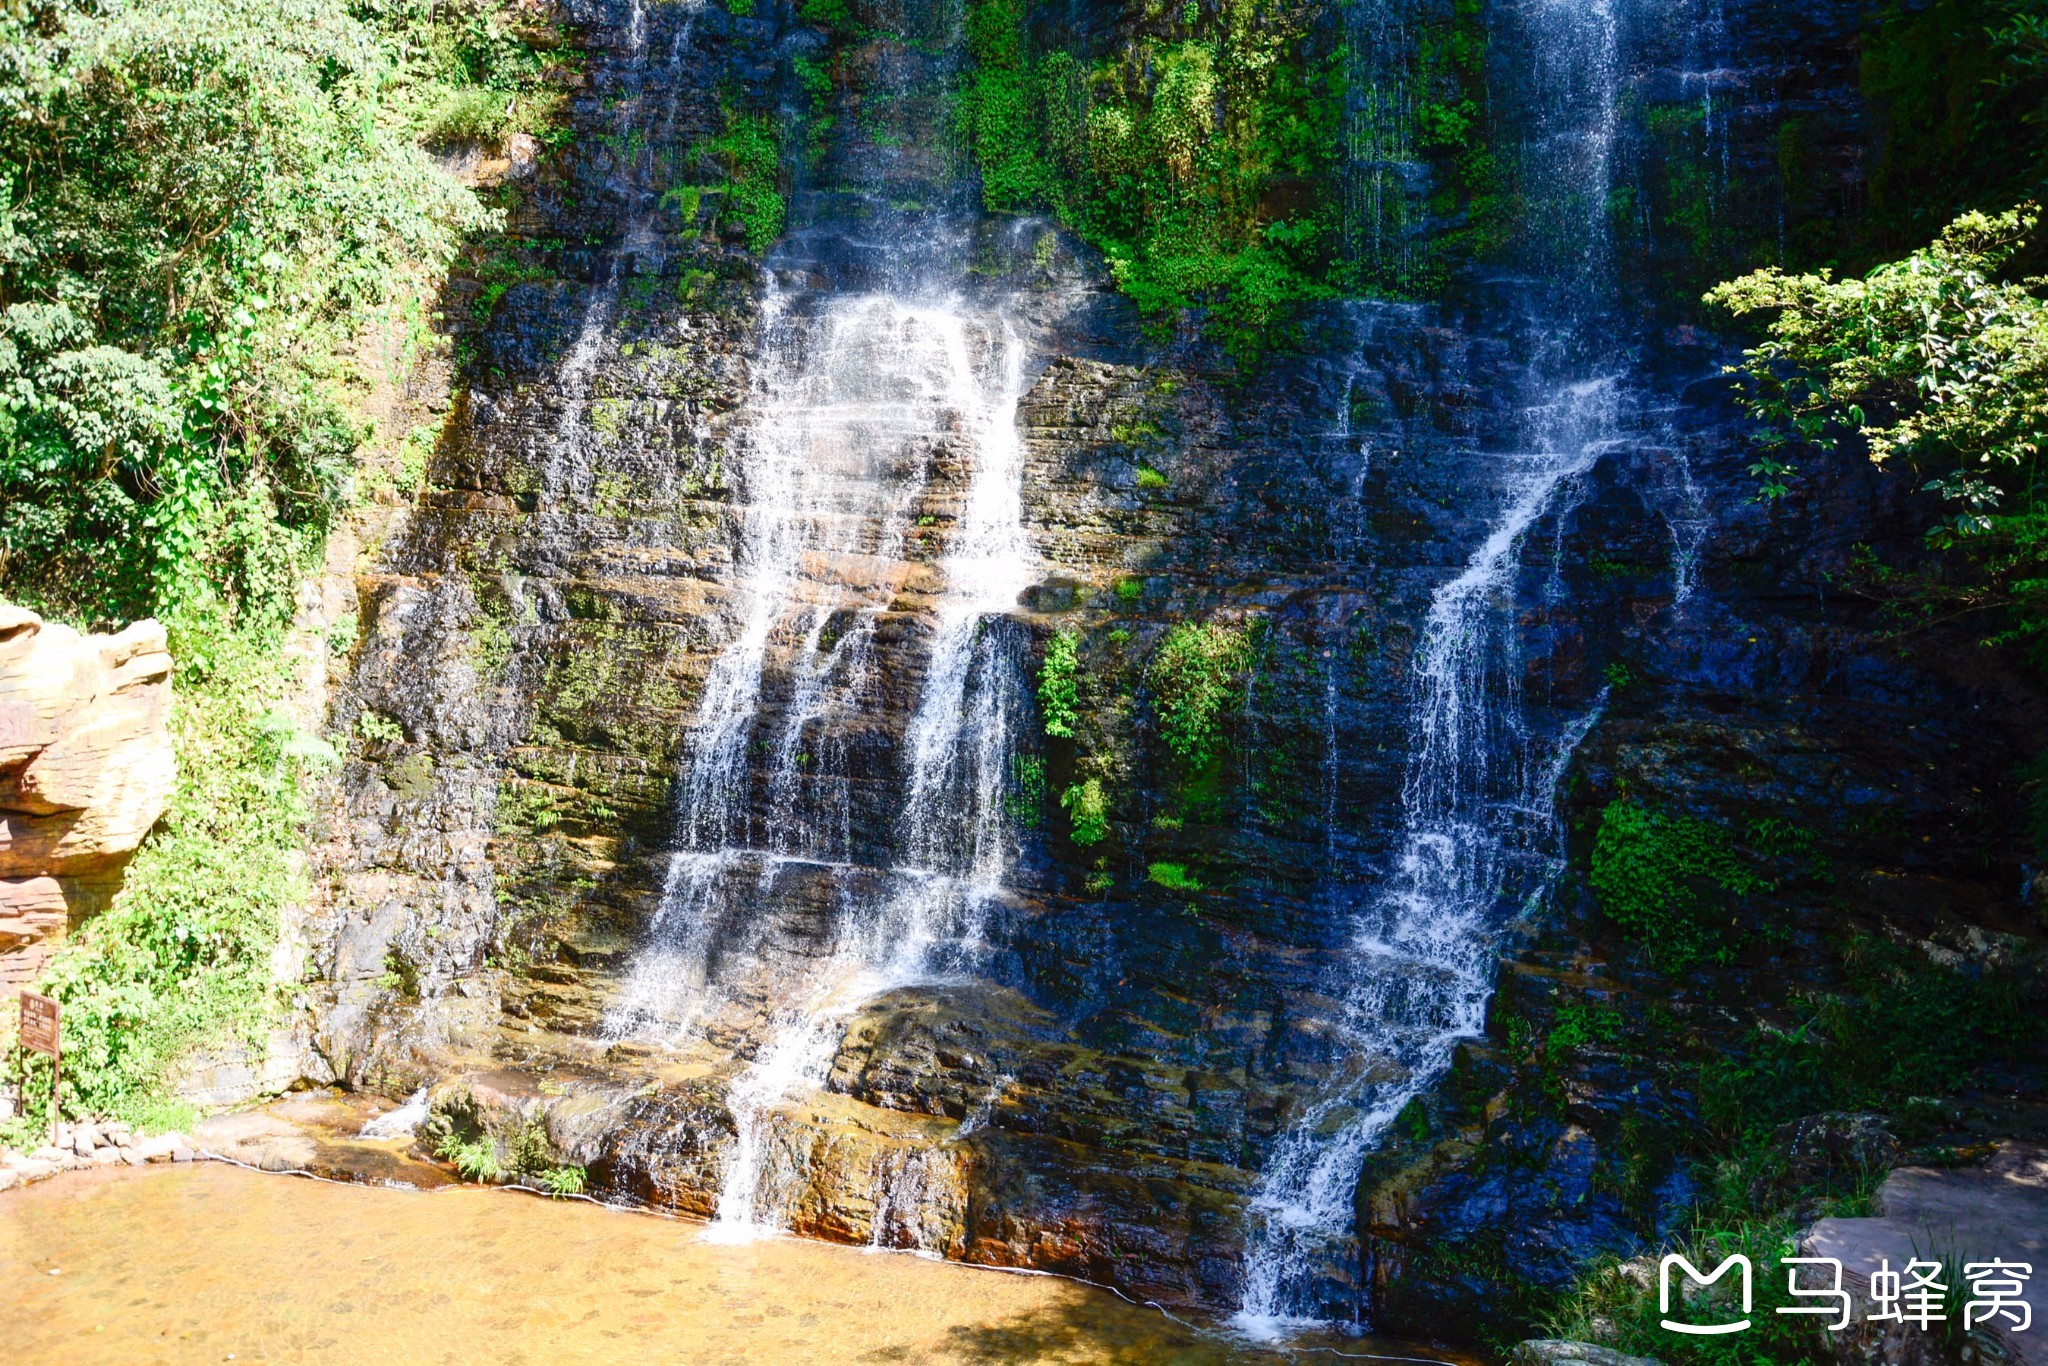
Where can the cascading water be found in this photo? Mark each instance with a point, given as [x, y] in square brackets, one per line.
[1476, 820]
[866, 399]
[926, 917]
[1477, 833]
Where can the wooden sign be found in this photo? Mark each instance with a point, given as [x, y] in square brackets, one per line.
[39, 1023]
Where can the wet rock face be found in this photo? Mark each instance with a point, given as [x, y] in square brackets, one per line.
[1776, 699]
[86, 767]
[534, 628]
[1099, 1095]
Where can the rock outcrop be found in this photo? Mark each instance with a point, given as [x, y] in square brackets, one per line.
[86, 766]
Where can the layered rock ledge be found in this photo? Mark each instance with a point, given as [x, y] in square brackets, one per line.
[86, 768]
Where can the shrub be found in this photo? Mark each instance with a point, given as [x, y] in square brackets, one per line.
[751, 157]
[1059, 686]
[1087, 808]
[1940, 362]
[182, 961]
[1195, 675]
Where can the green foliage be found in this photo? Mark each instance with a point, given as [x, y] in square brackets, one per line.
[561, 1182]
[1429, 105]
[1149, 478]
[1620, 1312]
[1195, 674]
[1059, 685]
[1174, 877]
[1899, 1027]
[1172, 159]
[1578, 1024]
[1960, 92]
[524, 1155]
[202, 203]
[1087, 808]
[1025, 803]
[1653, 873]
[751, 157]
[183, 959]
[476, 1159]
[1939, 362]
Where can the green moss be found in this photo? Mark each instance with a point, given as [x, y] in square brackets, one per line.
[1149, 478]
[1174, 877]
[1653, 871]
[606, 415]
[412, 777]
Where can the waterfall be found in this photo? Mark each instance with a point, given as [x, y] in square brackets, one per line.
[1477, 816]
[1477, 830]
[865, 399]
[927, 919]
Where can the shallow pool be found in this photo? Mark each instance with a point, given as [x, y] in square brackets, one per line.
[215, 1263]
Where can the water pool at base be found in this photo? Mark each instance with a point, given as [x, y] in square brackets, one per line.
[211, 1263]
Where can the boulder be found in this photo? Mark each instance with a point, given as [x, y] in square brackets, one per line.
[157, 1147]
[86, 768]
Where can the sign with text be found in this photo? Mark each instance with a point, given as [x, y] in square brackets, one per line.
[38, 1023]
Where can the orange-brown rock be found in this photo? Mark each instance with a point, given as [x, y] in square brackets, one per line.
[86, 766]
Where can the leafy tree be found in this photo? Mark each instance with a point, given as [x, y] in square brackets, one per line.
[1938, 362]
[202, 203]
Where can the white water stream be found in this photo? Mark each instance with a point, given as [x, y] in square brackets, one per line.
[1478, 802]
[862, 397]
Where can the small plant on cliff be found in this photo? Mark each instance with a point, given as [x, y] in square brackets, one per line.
[751, 156]
[1195, 675]
[1059, 685]
[1651, 871]
[476, 1159]
[1087, 809]
[1175, 877]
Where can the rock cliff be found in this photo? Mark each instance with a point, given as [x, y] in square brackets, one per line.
[1161, 999]
[86, 767]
